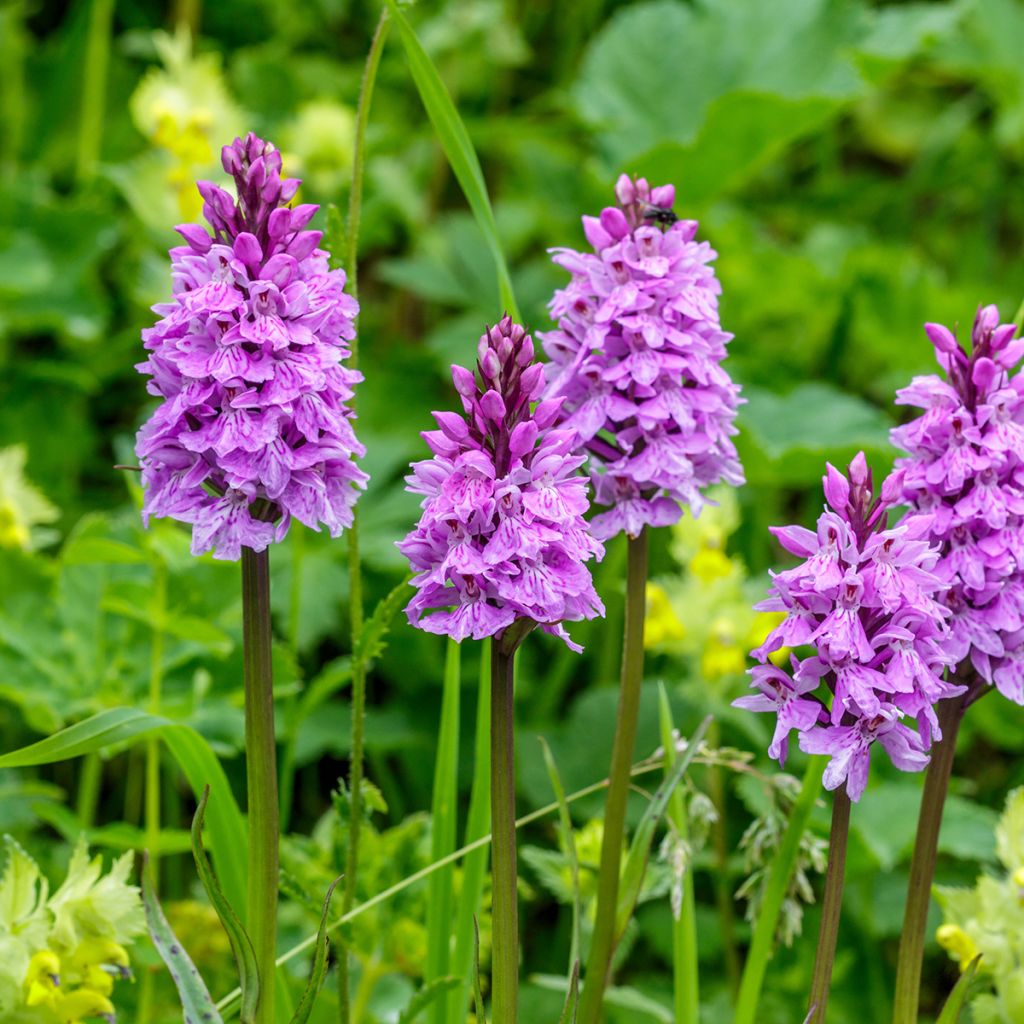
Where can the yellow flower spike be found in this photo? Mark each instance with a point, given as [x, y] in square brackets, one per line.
[81, 1005]
[956, 942]
[99, 979]
[662, 625]
[723, 654]
[100, 952]
[43, 978]
[1018, 880]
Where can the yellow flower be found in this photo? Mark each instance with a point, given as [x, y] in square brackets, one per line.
[83, 1004]
[723, 654]
[662, 625]
[43, 979]
[22, 506]
[953, 939]
[319, 145]
[710, 564]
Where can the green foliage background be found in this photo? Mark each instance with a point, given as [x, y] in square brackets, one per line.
[857, 166]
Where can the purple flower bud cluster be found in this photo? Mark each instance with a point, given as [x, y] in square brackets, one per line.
[254, 427]
[637, 356]
[502, 535]
[965, 472]
[867, 599]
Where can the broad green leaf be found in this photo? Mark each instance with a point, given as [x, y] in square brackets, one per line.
[241, 944]
[316, 974]
[958, 997]
[444, 815]
[637, 99]
[640, 848]
[195, 997]
[100, 551]
[786, 437]
[457, 148]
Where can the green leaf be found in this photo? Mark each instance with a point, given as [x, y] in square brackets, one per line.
[427, 996]
[457, 148]
[1010, 831]
[637, 99]
[241, 944]
[444, 813]
[572, 999]
[478, 995]
[194, 757]
[375, 629]
[958, 997]
[640, 847]
[195, 996]
[316, 974]
[568, 838]
[100, 551]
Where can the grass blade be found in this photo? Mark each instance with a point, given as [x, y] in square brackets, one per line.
[958, 997]
[478, 995]
[241, 944]
[427, 997]
[227, 828]
[640, 848]
[572, 999]
[443, 809]
[192, 990]
[569, 842]
[457, 148]
[316, 974]
[685, 969]
[474, 868]
[778, 884]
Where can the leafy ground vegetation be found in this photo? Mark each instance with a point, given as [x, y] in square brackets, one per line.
[856, 168]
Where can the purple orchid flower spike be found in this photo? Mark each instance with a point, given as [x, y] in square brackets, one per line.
[502, 537]
[964, 476]
[637, 357]
[866, 598]
[254, 426]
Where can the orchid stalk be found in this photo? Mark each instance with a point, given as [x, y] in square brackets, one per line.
[499, 549]
[637, 357]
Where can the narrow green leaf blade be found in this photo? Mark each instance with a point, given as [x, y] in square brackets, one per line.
[427, 996]
[457, 148]
[569, 842]
[572, 999]
[640, 848]
[316, 975]
[241, 944]
[195, 996]
[958, 997]
[478, 995]
[444, 812]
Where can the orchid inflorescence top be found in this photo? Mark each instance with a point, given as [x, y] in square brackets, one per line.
[866, 599]
[502, 535]
[254, 427]
[965, 473]
[637, 355]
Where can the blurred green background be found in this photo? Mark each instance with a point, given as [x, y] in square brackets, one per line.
[857, 167]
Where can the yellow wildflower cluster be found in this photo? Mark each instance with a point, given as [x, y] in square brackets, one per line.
[22, 506]
[60, 955]
[988, 921]
[705, 613]
[185, 110]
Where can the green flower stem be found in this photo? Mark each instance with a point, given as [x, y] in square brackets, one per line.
[504, 902]
[89, 789]
[922, 864]
[355, 578]
[261, 773]
[779, 878]
[602, 944]
[94, 89]
[831, 908]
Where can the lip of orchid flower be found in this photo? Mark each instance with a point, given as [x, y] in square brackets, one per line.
[962, 477]
[501, 544]
[637, 359]
[254, 428]
[865, 598]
